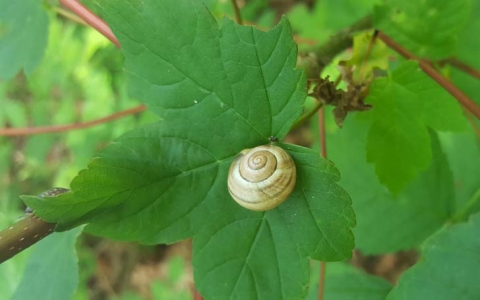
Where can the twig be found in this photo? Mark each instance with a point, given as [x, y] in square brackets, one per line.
[22, 235]
[303, 118]
[367, 54]
[463, 99]
[463, 67]
[27, 231]
[238, 15]
[91, 19]
[60, 128]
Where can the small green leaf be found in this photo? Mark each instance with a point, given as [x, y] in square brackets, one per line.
[23, 36]
[428, 28]
[52, 270]
[344, 282]
[404, 105]
[448, 268]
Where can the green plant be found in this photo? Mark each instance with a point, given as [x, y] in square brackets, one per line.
[219, 87]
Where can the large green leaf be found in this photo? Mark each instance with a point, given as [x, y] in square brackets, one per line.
[449, 267]
[141, 201]
[23, 36]
[216, 91]
[388, 223]
[428, 28]
[52, 270]
[405, 104]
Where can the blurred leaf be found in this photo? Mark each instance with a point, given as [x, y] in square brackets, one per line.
[328, 16]
[449, 267]
[467, 45]
[52, 270]
[5, 156]
[386, 223]
[405, 104]
[170, 287]
[345, 282]
[468, 53]
[11, 271]
[256, 12]
[463, 151]
[23, 36]
[13, 112]
[176, 269]
[428, 28]
[378, 57]
[88, 265]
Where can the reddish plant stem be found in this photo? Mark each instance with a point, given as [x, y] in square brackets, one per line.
[238, 15]
[22, 235]
[321, 124]
[463, 99]
[196, 295]
[69, 127]
[463, 67]
[91, 19]
[323, 145]
[368, 52]
[321, 282]
[69, 15]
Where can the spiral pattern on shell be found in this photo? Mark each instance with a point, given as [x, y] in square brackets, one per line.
[262, 178]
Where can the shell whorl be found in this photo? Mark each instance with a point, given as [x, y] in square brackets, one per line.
[261, 178]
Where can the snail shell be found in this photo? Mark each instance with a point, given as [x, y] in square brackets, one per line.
[261, 178]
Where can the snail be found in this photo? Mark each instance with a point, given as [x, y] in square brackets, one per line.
[261, 178]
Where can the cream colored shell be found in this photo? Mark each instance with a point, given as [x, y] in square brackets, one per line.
[261, 178]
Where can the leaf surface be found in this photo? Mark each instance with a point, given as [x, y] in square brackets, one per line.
[216, 91]
[388, 223]
[52, 269]
[328, 16]
[405, 105]
[23, 36]
[448, 268]
[427, 28]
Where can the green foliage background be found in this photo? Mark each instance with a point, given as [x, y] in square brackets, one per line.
[79, 76]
